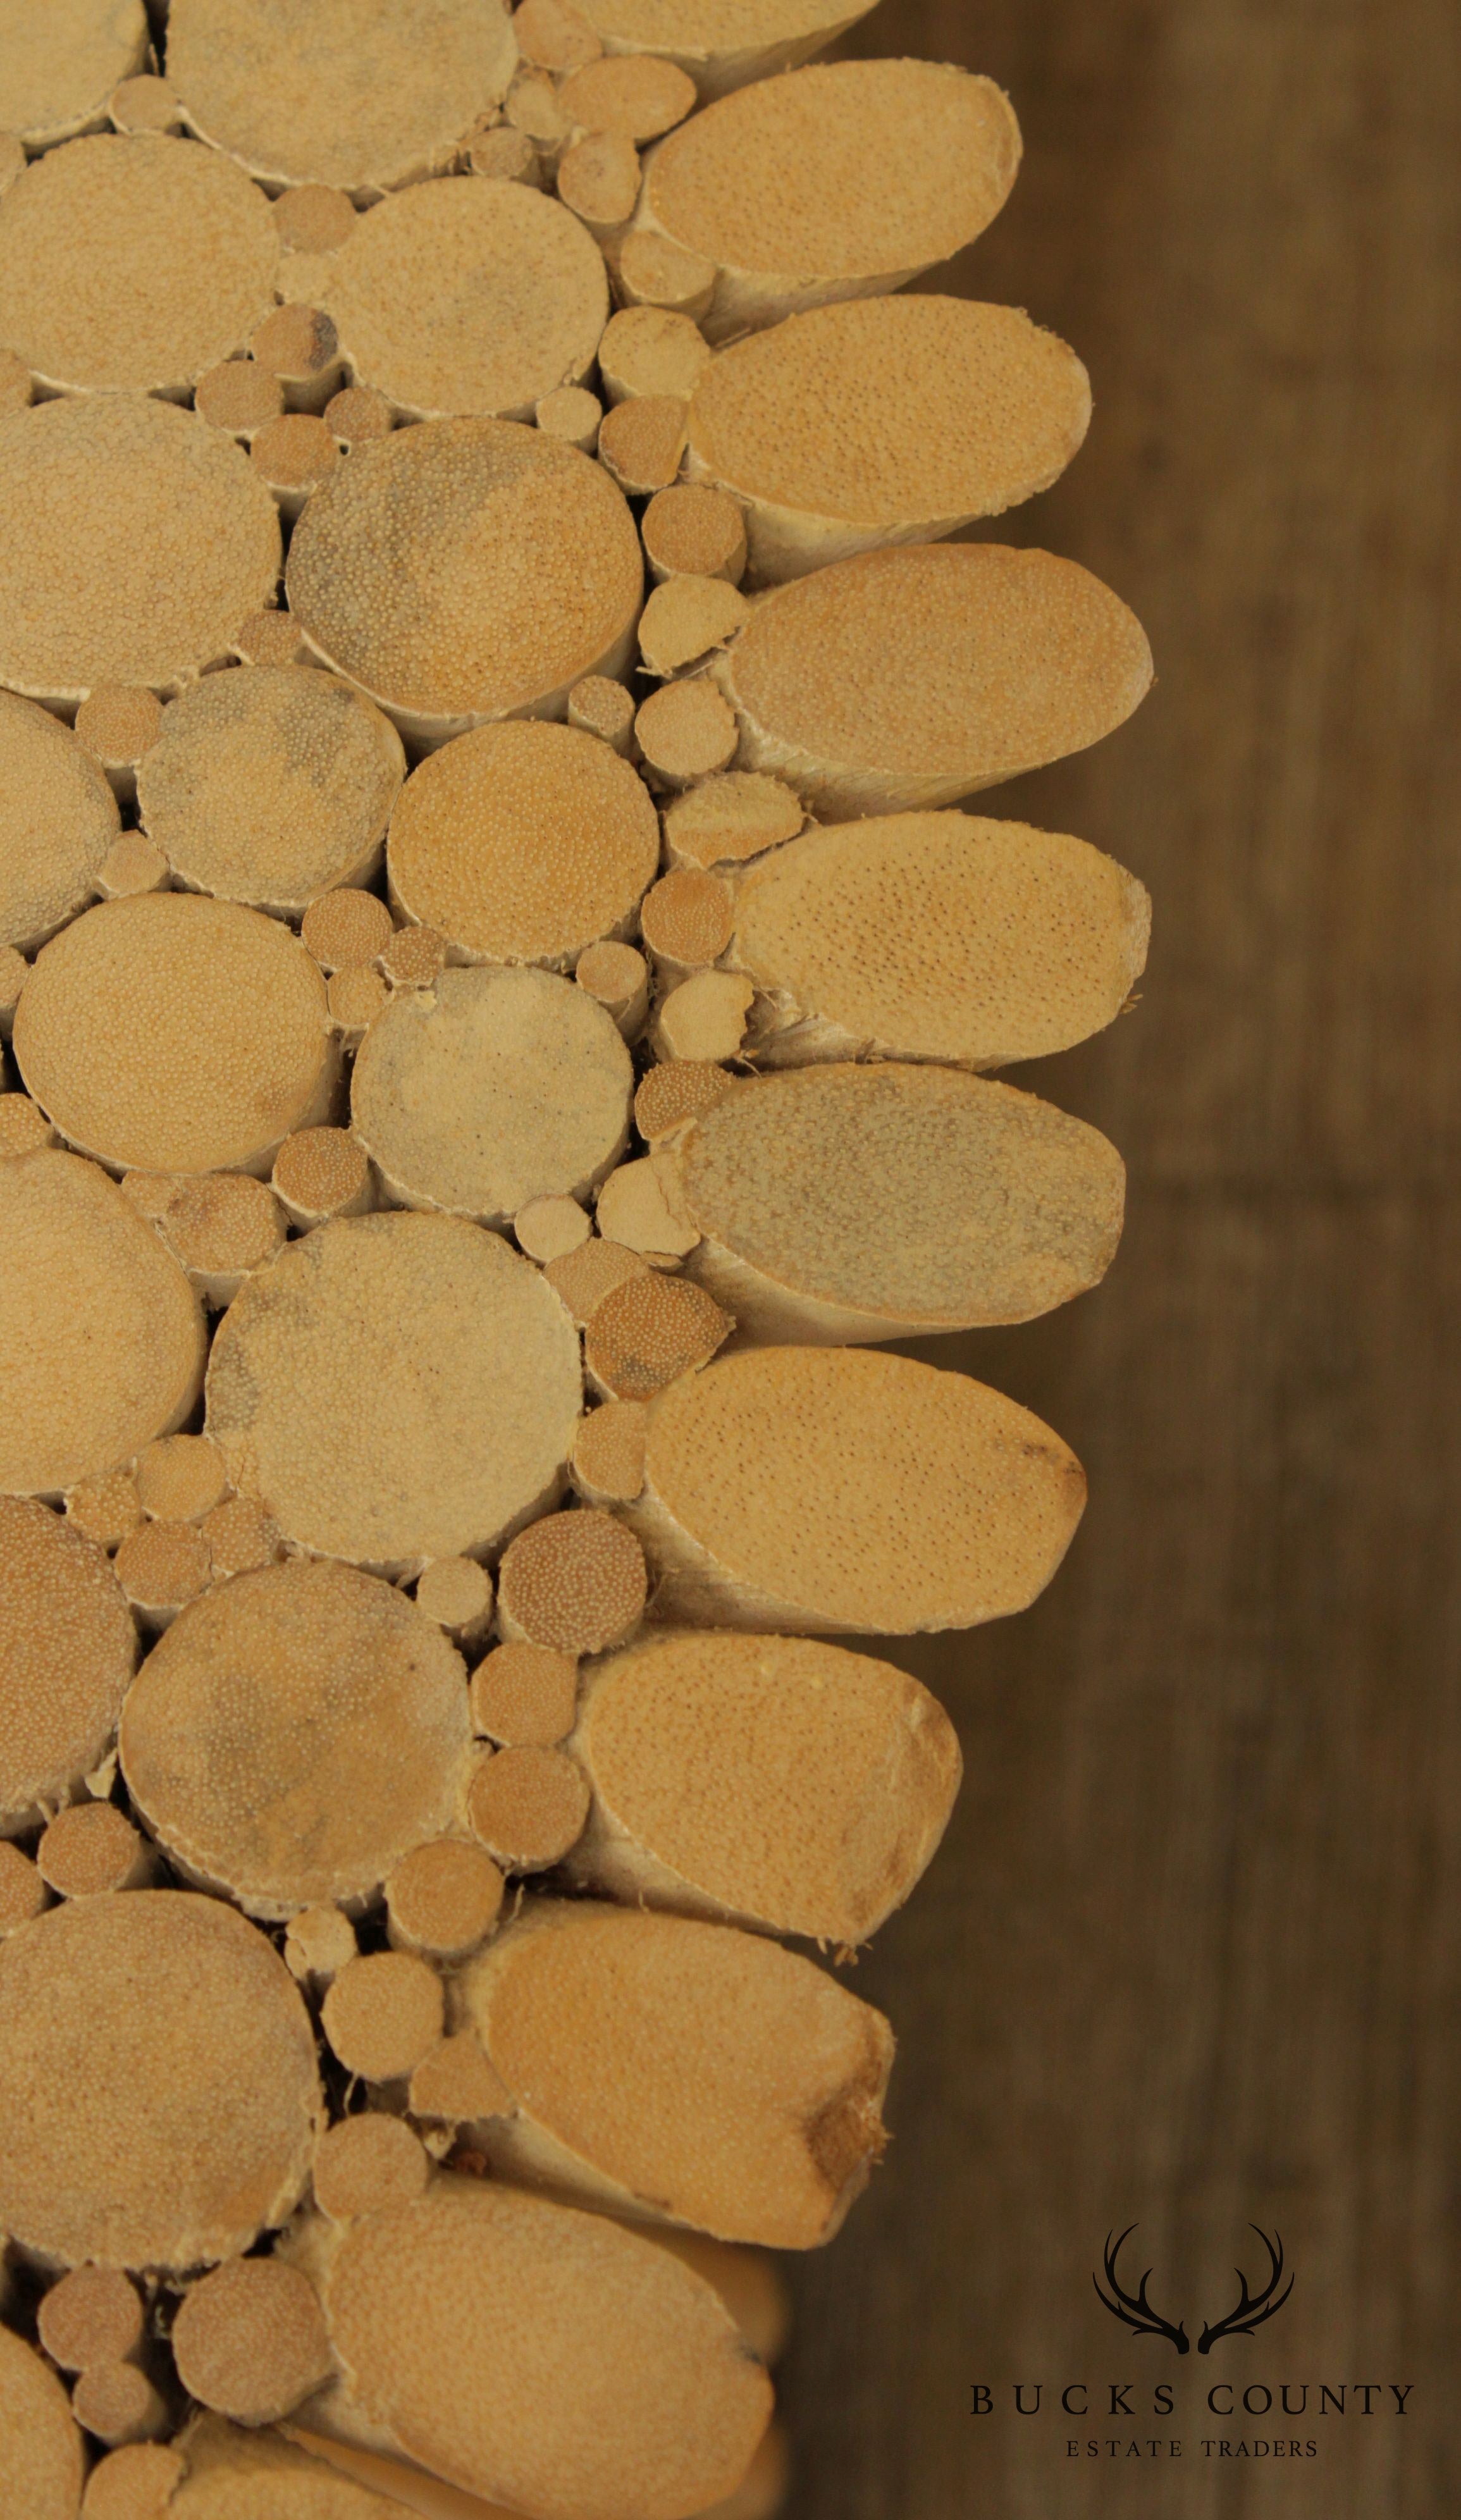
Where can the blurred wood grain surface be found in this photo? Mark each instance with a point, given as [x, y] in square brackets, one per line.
[1189, 1957]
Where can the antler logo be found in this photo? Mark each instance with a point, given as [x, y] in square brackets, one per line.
[1136, 2311]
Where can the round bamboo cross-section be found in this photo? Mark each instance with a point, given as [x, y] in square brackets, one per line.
[58, 823]
[907, 679]
[884, 420]
[464, 571]
[176, 1034]
[67, 1650]
[723, 44]
[133, 265]
[102, 1341]
[467, 298]
[519, 2347]
[826, 1489]
[295, 1733]
[131, 2030]
[270, 786]
[771, 186]
[366, 96]
[40, 2447]
[772, 1782]
[250, 2340]
[523, 842]
[680, 2070]
[63, 61]
[133, 541]
[397, 1388]
[938, 936]
[879, 1203]
[494, 1088]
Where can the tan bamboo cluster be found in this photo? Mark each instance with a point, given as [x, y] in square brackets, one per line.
[500, 993]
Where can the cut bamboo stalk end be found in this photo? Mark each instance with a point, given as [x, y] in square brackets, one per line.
[937, 936]
[242, 1537]
[548, 1228]
[356, 1748]
[138, 2483]
[653, 270]
[294, 2474]
[455, 2086]
[686, 731]
[720, 51]
[679, 1089]
[294, 455]
[834, 688]
[58, 823]
[650, 1332]
[313, 218]
[553, 35]
[270, 638]
[528, 1807]
[617, 977]
[608, 1452]
[443, 1900]
[189, 2020]
[222, 1227]
[687, 618]
[321, 1175]
[102, 1342]
[22, 1892]
[116, 725]
[299, 346]
[359, 417]
[632, 1209]
[250, 2342]
[687, 919]
[414, 958]
[273, 786]
[42, 2447]
[367, 2164]
[820, 1490]
[466, 570]
[598, 181]
[346, 930]
[727, 819]
[118, 2404]
[23, 1127]
[574, 414]
[524, 1696]
[145, 104]
[384, 2015]
[133, 865]
[588, 1275]
[732, 2085]
[642, 442]
[186, 276]
[645, 350]
[67, 1651]
[523, 842]
[532, 107]
[93, 2315]
[456, 1594]
[574, 1580]
[62, 65]
[319, 1943]
[636, 98]
[599, 706]
[383, 103]
[506, 157]
[354, 999]
[704, 1018]
[179, 1478]
[91, 1848]
[161, 1567]
[620, 2389]
[493, 1088]
[105, 1510]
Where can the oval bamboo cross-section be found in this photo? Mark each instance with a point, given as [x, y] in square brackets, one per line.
[366, 95]
[63, 61]
[884, 420]
[771, 186]
[517, 2347]
[493, 1088]
[296, 1734]
[876, 1202]
[132, 2029]
[723, 44]
[67, 1650]
[134, 539]
[936, 936]
[396, 1388]
[101, 1339]
[176, 1034]
[907, 679]
[680, 2070]
[237, 2475]
[40, 2445]
[270, 786]
[58, 823]
[826, 1489]
[523, 842]
[133, 265]
[772, 1781]
[464, 570]
[467, 299]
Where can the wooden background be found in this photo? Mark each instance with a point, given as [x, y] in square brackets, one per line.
[1191, 1953]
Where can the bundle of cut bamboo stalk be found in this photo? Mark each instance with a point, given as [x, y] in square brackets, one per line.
[489, 1061]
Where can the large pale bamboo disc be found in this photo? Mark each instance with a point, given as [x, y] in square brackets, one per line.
[771, 185]
[158, 2096]
[133, 265]
[396, 1388]
[40, 2445]
[175, 1034]
[466, 570]
[492, 1089]
[724, 43]
[549, 2357]
[881, 1202]
[884, 420]
[134, 539]
[58, 823]
[468, 297]
[366, 94]
[102, 1340]
[295, 1733]
[820, 1489]
[523, 842]
[765, 1780]
[943, 936]
[237, 2475]
[680, 2070]
[59, 64]
[271, 785]
[907, 679]
[67, 1650]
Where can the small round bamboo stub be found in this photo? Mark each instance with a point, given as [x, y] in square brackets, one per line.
[573, 1581]
[383, 2014]
[367, 2163]
[528, 1807]
[250, 2342]
[525, 1694]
